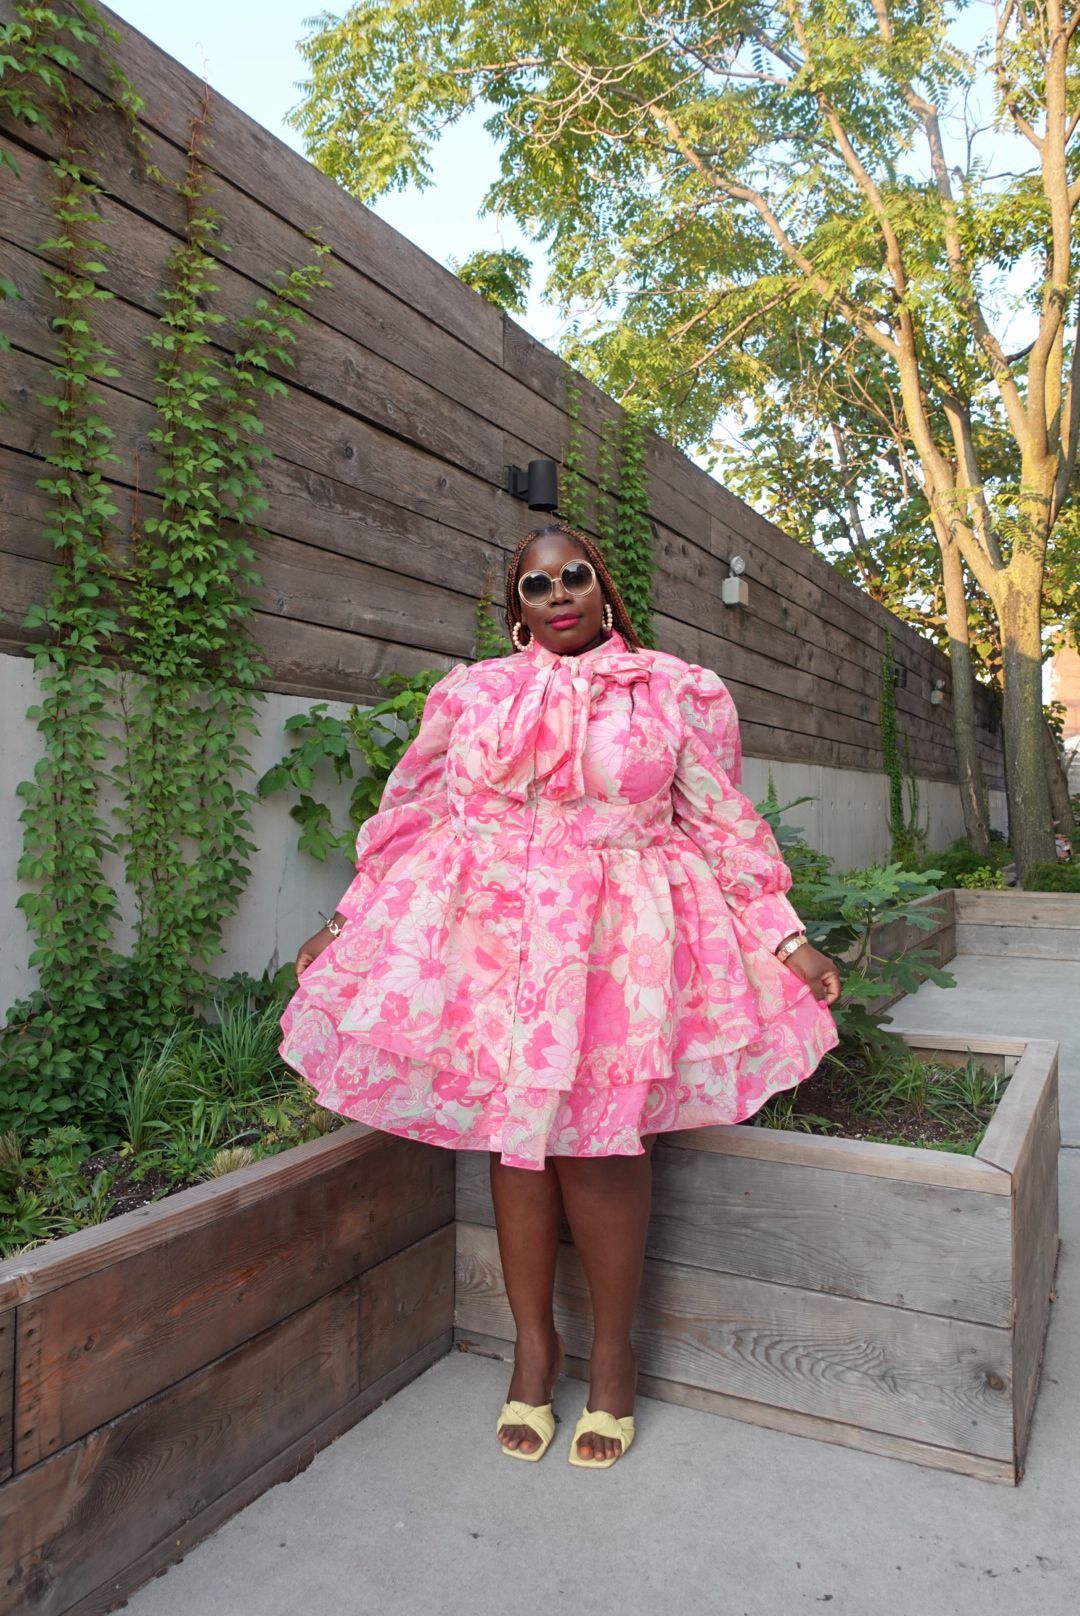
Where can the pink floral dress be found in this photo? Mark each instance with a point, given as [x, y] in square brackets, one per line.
[560, 934]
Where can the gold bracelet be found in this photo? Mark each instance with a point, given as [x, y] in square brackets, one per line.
[790, 944]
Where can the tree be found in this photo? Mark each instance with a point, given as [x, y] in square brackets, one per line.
[500, 277]
[712, 174]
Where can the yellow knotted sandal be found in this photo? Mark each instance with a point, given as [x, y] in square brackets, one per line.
[600, 1423]
[539, 1417]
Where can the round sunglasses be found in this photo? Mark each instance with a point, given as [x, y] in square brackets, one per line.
[578, 578]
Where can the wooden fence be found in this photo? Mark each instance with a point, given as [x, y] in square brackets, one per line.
[409, 398]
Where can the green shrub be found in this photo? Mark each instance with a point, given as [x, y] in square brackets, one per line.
[1050, 875]
[960, 858]
[982, 879]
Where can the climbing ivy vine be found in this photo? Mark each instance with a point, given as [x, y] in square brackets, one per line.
[572, 491]
[143, 645]
[187, 823]
[621, 526]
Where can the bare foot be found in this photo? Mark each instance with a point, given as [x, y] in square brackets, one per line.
[537, 1366]
[612, 1384]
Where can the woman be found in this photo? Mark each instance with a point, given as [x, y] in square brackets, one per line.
[561, 941]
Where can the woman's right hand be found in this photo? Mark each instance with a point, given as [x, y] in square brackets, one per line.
[310, 951]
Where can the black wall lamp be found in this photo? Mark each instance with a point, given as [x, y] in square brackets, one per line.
[899, 676]
[538, 487]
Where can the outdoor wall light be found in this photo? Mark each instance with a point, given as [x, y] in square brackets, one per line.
[899, 677]
[538, 487]
[937, 694]
[734, 590]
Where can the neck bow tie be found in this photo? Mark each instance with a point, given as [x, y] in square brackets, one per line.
[536, 735]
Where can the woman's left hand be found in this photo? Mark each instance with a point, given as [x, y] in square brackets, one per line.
[818, 970]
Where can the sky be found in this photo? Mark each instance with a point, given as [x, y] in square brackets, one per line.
[258, 68]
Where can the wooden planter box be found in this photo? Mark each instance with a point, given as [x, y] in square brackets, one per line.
[889, 1299]
[1022, 925]
[161, 1370]
[167, 1367]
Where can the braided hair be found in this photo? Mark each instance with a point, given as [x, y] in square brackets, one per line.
[619, 615]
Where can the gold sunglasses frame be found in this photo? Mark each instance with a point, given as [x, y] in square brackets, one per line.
[577, 594]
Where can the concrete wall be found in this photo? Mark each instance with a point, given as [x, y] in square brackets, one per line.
[289, 890]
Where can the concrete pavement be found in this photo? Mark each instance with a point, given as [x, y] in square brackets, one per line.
[416, 1510]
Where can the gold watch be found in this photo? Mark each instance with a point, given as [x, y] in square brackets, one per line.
[790, 944]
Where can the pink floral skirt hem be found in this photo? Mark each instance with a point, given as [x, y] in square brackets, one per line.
[401, 1094]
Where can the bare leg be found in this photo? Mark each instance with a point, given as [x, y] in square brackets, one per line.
[607, 1202]
[527, 1210]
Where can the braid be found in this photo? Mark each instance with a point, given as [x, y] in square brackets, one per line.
[619, 614]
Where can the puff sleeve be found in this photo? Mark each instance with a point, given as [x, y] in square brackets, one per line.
[736, 842]
[414, 798]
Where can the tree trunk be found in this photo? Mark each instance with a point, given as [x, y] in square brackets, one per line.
[1031, 831]
[973, 794]
[1060, 804]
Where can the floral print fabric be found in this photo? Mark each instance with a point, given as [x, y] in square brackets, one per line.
[560, 933]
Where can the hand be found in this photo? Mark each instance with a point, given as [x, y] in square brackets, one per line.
[310, 951]
[818, 970]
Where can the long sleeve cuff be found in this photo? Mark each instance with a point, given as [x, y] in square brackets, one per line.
[771, 918]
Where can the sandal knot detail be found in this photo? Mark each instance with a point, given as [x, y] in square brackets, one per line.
[601, 1423]
[539, 1417]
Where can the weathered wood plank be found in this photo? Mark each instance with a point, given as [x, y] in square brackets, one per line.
[1005, 1139]
[1000, 940]
[180, 1539]
[71, 1521]
[406, 1302]
[872, 1239]
[788, 1420]
[1035, 1245]
[7, 1392]
[870, 1156]
[259, 240]
[327, 364]
[307, 658]
[75, 1256]
[1015, 907]
[299, 428]
[142, 1321]
[914, 1375]
[539, 417]
[299, 583]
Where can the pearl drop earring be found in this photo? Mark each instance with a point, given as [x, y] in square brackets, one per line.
[608, 616]
[514, 632]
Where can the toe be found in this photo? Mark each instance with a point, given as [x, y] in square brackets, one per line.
[519, 1436]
